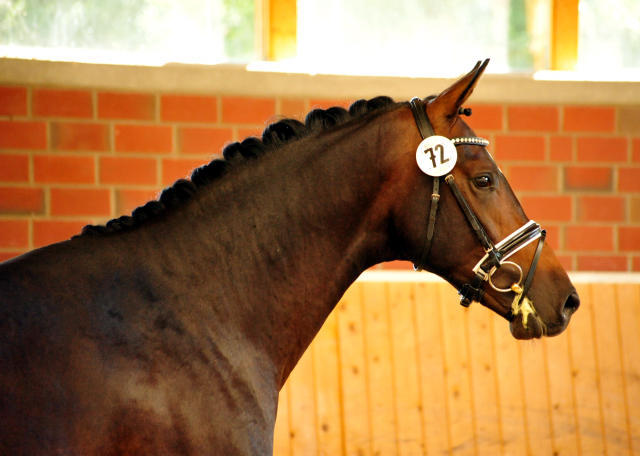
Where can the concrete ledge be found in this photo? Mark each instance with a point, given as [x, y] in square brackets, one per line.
[237, 80]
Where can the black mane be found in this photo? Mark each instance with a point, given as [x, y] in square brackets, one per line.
[273, 137]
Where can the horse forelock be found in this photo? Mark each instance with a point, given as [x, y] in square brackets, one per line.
[275, 136]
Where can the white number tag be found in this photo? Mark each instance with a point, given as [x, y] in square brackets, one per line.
[436, 156]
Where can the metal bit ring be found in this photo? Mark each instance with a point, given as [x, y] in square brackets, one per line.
[504, 290]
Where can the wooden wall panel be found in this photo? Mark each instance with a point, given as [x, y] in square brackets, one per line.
[511, 394]
[586, 388]
[302, 408]
[326, 365]
[404, 357]
[629, 314]
[484, 384]
[402, 369]
[380, 381]
[430, 339]
[609, 361]
[355, 396]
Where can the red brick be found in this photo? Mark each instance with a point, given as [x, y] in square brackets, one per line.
[634, 209]
[588, 178]
[242, 110]
[62, 103]
[203, 140]
[533, 178]
[84, 202]
[23, 135]
[143, 138]
[602, 263]
[398, 265]
[601, 209]
[19, 200]
[178, 168]
[128, 200]
[134, 106]
[629, 179]
[13, 101]
[553, 236]
[246, 132]
[636, 150]
[602, 150]
[4, 256]
[47, 232]
[80, 137]
[49, 169]
[589, 118]
[14, 168]
[328, 103]
[14, 233]
[519, 148]
[533, 118]
[548, 208]
[629, 238]
[561, 148]
[635, 264]
[188, 108]
[294, 109]
[566, 261]
[485, 117]
[127, 170]
[588, 238]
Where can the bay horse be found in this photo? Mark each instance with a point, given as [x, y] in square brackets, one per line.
[171, 332]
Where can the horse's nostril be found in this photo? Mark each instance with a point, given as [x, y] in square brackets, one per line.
[572, 304]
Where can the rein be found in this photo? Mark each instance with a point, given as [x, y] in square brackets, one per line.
[496, 254]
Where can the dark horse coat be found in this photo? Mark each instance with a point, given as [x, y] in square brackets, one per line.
[172, 331]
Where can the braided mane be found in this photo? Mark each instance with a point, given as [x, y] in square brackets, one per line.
[274, 136]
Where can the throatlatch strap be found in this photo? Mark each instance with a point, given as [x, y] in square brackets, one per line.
[426, 130]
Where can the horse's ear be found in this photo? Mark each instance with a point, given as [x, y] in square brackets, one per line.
[447, 103]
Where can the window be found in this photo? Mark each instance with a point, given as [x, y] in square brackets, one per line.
[129, 31]
[424, 36]
[402, 37]
[609, 35]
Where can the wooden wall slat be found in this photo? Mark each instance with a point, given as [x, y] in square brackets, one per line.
[510, 393]
[585, 376]
[380, 370]
[355, 403]
[484, 381]
[563, 416]
[405, 368]
[400, 368]
[629, 308]
[302, 409]
[281, 437]
[326, 366]
[432, 369]
[536, 399]
[610, 368]
[458, 388]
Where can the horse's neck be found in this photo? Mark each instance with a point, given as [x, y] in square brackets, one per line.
[284, 238]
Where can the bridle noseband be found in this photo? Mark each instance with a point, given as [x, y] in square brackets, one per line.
[496, 254]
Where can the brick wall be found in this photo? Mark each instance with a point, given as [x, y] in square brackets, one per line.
[71, 157]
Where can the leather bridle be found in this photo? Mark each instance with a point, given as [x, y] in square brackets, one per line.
[496, 254]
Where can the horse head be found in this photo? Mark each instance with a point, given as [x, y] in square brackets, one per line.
[472, 230]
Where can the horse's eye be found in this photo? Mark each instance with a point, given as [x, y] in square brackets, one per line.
[483, 181]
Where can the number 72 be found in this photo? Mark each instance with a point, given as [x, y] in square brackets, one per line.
[432, 154]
